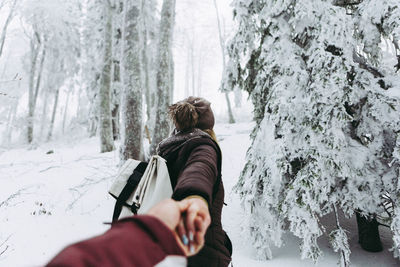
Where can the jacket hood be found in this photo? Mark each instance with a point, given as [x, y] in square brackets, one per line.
[177, 138]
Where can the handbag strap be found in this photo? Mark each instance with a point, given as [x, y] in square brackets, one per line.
[130, 186]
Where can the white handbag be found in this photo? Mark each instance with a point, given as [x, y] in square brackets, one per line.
[139, 186]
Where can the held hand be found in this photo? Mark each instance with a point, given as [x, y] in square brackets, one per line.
[194, 224]
[188, 219]
[169, 212]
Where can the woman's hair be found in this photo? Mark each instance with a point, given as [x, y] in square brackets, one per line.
[212, 134]
[193, 112]
[184, 115]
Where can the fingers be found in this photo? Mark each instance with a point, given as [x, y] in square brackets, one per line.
[188, 219]
[197, 220]
[181, 230]
[183, 205]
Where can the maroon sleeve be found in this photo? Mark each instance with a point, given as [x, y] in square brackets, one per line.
[198, 175]
[134, 241]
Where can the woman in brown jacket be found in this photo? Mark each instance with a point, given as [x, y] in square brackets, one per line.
[194, 163]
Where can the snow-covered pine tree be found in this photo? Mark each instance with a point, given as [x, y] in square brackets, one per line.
[327, 121]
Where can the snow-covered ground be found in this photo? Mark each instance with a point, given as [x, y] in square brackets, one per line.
[57, 194]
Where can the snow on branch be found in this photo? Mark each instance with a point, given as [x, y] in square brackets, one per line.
[3, 244]
[345, 3]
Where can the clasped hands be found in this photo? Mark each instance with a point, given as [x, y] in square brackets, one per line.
[188, 219]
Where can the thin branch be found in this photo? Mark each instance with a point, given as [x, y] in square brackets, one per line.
[364, 65]
[6, 247]
[2, 252]
[5, 240]
[14, 195]
[346, 3]
[339, 227]
[15, 79]
[49, 168]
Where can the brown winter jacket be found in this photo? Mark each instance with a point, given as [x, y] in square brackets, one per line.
[194, 164]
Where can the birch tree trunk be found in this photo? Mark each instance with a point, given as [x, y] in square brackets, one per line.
[221, 42]
[4, 31]
[164, 57]
[106, 134]
[131, 130]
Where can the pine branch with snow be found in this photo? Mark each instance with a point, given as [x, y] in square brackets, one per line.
[327, 126]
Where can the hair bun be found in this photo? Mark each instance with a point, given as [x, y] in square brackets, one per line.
[184, 115]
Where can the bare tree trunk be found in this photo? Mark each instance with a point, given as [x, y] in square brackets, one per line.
[115, 122]
[39, 76]
[144, 61]
[238, 97]
[193, 69]
[106, 135]
[53, 115]
[187, 74]
[200, 72]
[66, 109]
[164, 57]
[31, 95]
[44, 111]
[221, 42]
[131, 130]
[171, 78]
[10, 121]
[4, 32]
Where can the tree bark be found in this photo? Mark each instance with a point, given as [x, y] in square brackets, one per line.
[144, 60]
[131, 130]
[106, 135]
[164, 57]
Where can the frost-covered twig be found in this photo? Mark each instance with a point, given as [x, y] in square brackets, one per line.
[345, 3]
[339, 241]
[15, 79]
[15, 195]
[6, 247]
[5, 240]
[81, 189]
[80, 195]
[48, 168]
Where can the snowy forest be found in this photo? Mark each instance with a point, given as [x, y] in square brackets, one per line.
[306, 96]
